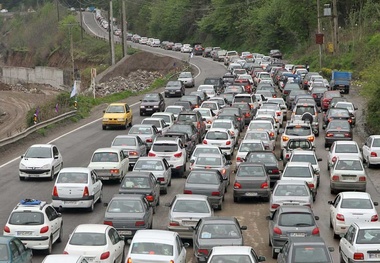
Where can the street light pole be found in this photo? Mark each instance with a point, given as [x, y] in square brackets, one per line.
[124, 29]
[110, 27]
[319, 31]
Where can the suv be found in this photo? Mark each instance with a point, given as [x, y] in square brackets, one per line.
[194, 117]
[296, 129]
[295, 144]
[251, 99]
[301, 108]
[36, 223]
[173, 149]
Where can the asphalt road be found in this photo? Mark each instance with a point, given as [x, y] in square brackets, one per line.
[78, 146]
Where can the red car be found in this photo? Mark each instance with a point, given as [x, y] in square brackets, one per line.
[327, 97]
[245, 83]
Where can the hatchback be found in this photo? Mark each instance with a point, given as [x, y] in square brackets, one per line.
[241, 254]
[132, 145]
[221, 138]
[371, 150]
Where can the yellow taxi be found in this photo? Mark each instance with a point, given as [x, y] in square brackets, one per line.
[117, 115]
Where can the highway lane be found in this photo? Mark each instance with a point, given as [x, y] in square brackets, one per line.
[79, 145]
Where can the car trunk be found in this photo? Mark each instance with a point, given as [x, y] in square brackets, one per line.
[357, 216]
[124, 220]
[201, 189]
[251, 183]
[142, 258]
[71, 191]
[210, 243]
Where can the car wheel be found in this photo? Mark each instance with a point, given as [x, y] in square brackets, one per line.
[52, 174]
[50, 248]
[92, 206]
[104, 127]
[130, 123]
[60, 237]
[341, 260]
[101, 196]
[219, 207]
[331, 226]
[236, 199]
[22, 178]
[335, 235]
[269, 243]
[170, 182]
[332, 191]
[274, 254]
[164, 191]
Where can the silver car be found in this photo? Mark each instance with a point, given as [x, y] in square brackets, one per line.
[209, 183]
[204, 148]
[128, 213]
[248, 146]
[185, 212]
[187, 79]
[290, 192]
[131, 145]
[159, 167]
[269, 142]
[146, 132]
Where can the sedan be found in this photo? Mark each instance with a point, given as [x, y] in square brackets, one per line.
[209, 183]
[290, 221]
[351, 207]
[360, 243]
[77, 187]
[371, 150]
[40, 161]
[159, 123]
[174, 88]
[189, 128]
[146, 132]
[251, 180]
[290, 192]
[142, 183]
[241, 254]
[132, 145]
[343, 149]
[204, 148]
[338, 130]
[128, 213]
[245, 147]
[216, 231]
[307, 156]
[187, 79]
[185, 212]
[152, 102]
[195, 100]
[336, 114]
[175, 109]
[97, 242]
[263, 136]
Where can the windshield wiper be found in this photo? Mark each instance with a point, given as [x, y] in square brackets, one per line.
[303, 224]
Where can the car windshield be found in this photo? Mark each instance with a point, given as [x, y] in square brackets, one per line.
[209, 161]
[149, 165]
[220, 231]
[38, 152]
[294, 171]
[346, 148]
[356, 203]
[173, 84]
[262, 157]
[135, 182]
[368, 236]
[349, 165]
[164, 147]
[296, 219]
[191, 206]
[202, 178]
[214, 135]
[72, 178]
[221, 125]
[115, 109]
[105, 157]
[166, 118]
[151, 98]
[187, 117]
[251, 171]
[26, 218]
[120, 141]
[310, 254]
[250, 146]
[257, 136]
[140, 130]
[125, 206]
[156, 123]
[230, 259]
[152, 249]
[182, 128]
[199, 151]
[298, 130]
[307, 158]
[4, 255]
[173, 110]
[88, 239]
[291, 190]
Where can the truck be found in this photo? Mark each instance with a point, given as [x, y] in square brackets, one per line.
[341, 80]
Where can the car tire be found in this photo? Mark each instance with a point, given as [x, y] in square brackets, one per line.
[369, 165]
[341, 260]
[164, 191]
[274, 254]
[269, 243]
[22, 178]
[60, 237]
[50, 248]
[92, 207]
[104, 127]
[331, 225]
[236, 199]
[51, 178]
[332, 191]
[219, 207]
[335, 236]
[130, 123]
[101, 196]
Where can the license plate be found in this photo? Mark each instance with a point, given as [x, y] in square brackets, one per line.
[251, 194]
[172, 92]
[33, 175]
[149, 109]
[189, 223]
[339, 135]
[90, 259]
[374, 255]
[70, 202]
[125, 233]
[349, 177]
[297, 234]
[24, 233]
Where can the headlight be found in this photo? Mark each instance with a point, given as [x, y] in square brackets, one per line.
[46, 166]
[120, 119]
[142, 106]
[155, 106]
[22, 166]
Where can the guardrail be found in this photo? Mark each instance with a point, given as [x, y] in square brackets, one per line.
[26, 132]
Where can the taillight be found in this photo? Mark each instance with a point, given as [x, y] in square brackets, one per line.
[335, 178]
[215, 193]
[285, 138]
[247, 114]
[187, 192]
[209, 122]
[339, 217]
[373, 154]
[150, 198]
[237, 185]
[315, 96]
[133, 153]
[178, 155]
[311, 185]
[278, 113]
[374, 218]
[173, 223]
[223, 171]
[65, 252]
[55, 191]
[114, 171]
[264, 185]
[85, 191]
[150, 154]
[140, 223]
[350, 120]
[203, 252]
[104, 255]
[275, 171]
[358, 256]
[204, 141]
[362, 179]
[228, 142]
[311, 138]
[44, 229]
[315, 231]
[277, 231]
[239, 159]
[329, 134]
[271, 134]
[7, 229]
[198, 125]
[334, 159]
[274, 206]
[149, 140]
[109, 223]
[287, 156]
[347, 135]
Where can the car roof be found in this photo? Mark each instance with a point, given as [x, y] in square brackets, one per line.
[251, 141]
[152, 119]
[92, 228]
[346, 142]
[168, 140]
[109, 149]
[42, 145]
[191, 197]
[348, 158]
[303, 164]
[302, 152]
[117, 104]
[153, 235]
[206, 146]
[143, 158]
[231, 250]
[294, 208]
[137, 174]
[76, 169]
[62, 258]
[174, 106]
[162, 113]
[127, 136]
[128, 197]
[368, 225]
[357, 195]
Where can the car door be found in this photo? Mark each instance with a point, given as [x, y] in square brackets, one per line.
[196, 236]
[164, 126]
[129, 113]
[346, 243]
[54, 223]
[15, 254]
[168, 171]
[156, 187]
[56, 161]
[148, 217]
[367, 148]
[282, 256]
[162, 102]
[117, 244]
[334, 208]
[25, 254]
[142, 146]
[272, 222]
[180, 251]
[331, 153]
[124, 162]
[95, 185]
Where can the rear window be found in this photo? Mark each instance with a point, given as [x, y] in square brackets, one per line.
[148, 248]
[221, 125]
[293, 171]
[26, 218]
[302, 109]
[346, 148]
[211, 81]
[296, 219]
[260, 126]
[199, 151]
[165, 147]
[354, 203]
[249, 146]
[124, 142]
[72, 178]
[298, 130]
[88, 239]
[212, 106]
[291, 190]
[140, 130]
[105, 157]
[251, 171]
[262, 157]
[349, 165]
[368, 236]
[191, 206]
[242, 99]
[305, 254]
[257, 136]
[152, 122]
[220, 231]
[308, 158]
[125, 206]
[211, 161]
[213, 135]
[182, 128]
[205, 178]
[135, 182]
[187, 117]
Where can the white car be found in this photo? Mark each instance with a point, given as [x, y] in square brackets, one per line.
[204, 148]
[168, 117]
[64, 258]
[208, 89]
[175, 109]
[282, 104]
[160, 124]
[228, 125]
[97, 242]
[343, 149]
[221, 138]
[36, 223]
[263, 125]
[77, 187]
[40, 161]
[208, 114]
[213, 105]
[351, 207]
[247, 146]
[270, 112]
[156, 246]
[297, 130]
[360, 243]
[279, 114]
[186, 48]
[307, 156]
[270, 143]
[110, 163]
[234, 254]
[371, 150]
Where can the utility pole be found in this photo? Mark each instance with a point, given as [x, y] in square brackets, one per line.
[81, 20]
[319, 31]
[124, 29]
[57, 9]
[72, 53]
[111, 35]
[335, 20]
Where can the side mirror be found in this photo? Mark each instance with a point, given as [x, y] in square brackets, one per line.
[192, 161]
[167, 204]
[126, 156]
[268, 218]
[203, 119]
[171, 166]
[243, 228]
[331, 249]
[186, 245]
[55, 156]
[261, 258]
[319, 159]
[280, 131]
[105, 204]
[330, 202]
[104, 111]
[229, 162]
[316, 217]
[375, 203]
[167, 125]
[59, 215]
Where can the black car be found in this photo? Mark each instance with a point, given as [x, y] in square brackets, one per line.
[217, 82]
[269, 159]
[151, 103]
[198, 50]
[338, 130]
[195, 100]
[190, 144]
[200, 94]
[246, 109]
[174, 88]
[317, 93]
[189, 128]
[305, 249]
[236, 111]
[336, 114]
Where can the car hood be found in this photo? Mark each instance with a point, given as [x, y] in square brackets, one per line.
[36, 162]
[113, 115]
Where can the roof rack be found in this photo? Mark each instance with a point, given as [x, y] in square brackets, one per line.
[31, 202]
